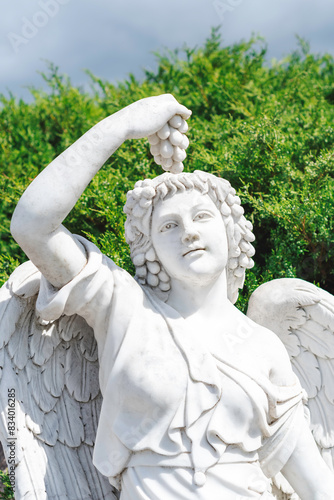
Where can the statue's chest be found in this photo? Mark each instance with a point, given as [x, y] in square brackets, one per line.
[235, 341]
[151, 371]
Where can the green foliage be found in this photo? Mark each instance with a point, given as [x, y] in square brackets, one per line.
[7, 493]
[7, 266]
[266, 128]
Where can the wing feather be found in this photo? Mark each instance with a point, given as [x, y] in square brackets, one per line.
[103, 491]
[44, 399]
[306, 367]
[71, 429]
[81, 375]
[74, 476]
[43, 343]
[322, 420]
[90, 415]
[70, 327]
[8, 310]
[316, 339]
[18, 346]
[53, 369]
[54, 483]
[35, 418]
[295, 307]
[327, 370]
[285, 491]
[88, 347]
[323, 314]
[328, 456]
[292, 344]
[31, 469]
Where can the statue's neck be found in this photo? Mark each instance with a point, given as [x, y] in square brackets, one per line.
[190, 298]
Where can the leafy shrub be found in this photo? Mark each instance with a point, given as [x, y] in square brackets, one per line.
[267, 129]
[7, 490]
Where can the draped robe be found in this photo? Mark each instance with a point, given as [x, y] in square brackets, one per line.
[175, 418]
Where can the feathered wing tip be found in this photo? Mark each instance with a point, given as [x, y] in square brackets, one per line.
[281, 489]
[302, 315]
[49, 398]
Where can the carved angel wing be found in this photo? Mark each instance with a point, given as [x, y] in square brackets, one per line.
[49, 398]
[302, 315]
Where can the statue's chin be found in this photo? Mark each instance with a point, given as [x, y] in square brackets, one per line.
[199, 273]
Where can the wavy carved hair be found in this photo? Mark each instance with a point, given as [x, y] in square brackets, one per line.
[140, 203]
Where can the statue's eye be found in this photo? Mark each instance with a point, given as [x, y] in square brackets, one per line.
[168, 226]
[202, 216]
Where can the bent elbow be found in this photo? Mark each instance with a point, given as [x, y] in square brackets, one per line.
[20, 227]
[15, 226]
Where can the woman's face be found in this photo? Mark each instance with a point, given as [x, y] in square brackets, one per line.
[189, 237]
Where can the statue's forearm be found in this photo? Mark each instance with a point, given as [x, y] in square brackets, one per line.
[307, 472]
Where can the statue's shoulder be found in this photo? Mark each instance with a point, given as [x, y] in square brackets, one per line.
[267, 349]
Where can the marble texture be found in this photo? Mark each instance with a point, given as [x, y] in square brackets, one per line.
[198, 400]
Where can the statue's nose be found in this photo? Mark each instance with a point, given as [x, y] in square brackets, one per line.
[190, 234]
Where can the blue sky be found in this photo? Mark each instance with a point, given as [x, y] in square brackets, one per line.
[113, 38]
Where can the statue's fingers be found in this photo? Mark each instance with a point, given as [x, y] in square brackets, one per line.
[184, 112]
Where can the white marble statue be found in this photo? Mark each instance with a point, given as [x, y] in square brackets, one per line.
[200, 402]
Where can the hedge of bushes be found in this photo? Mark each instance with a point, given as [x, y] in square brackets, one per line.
[268, 128]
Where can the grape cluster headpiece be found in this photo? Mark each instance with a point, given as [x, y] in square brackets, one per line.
[168, 145]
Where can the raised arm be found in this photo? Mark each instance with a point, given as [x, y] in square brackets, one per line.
[37, 220]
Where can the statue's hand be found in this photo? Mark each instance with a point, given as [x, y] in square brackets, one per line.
[145, 117]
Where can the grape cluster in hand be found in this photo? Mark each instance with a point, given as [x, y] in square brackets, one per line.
[168, 145]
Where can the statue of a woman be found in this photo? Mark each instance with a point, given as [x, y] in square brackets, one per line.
[199, 402]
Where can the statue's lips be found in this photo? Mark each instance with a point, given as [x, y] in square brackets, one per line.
[193, 250]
